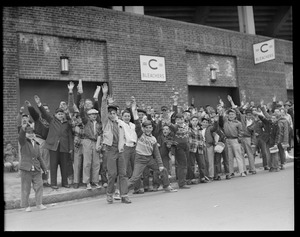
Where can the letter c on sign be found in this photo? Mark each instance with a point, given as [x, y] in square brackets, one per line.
[261, 48]
[149, 63]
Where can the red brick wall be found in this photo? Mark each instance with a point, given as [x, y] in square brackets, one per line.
[123, 37]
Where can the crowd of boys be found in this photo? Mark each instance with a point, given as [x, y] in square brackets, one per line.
[100, 145]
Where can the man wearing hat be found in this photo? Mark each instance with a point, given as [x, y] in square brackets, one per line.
[233, 132]
[41, 129]
[113, 139]
[271, 137]
[59, 142]
[248, 136]
[92, 130]
[31, 165]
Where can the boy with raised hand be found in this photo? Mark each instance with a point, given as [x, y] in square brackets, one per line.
[113, 139]
[31, 165]
[147, 153]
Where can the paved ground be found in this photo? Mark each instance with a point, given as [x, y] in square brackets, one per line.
[261, 202]
[12, 190]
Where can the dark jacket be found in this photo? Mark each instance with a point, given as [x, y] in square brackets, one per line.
[41, 126]
[271, 135]
[30, 156]
[60, 133]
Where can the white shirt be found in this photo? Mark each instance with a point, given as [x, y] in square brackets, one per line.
[203, 133]
[130, 134]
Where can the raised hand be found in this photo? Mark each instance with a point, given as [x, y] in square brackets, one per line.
[70, 86]
[229, 98]
[274, 98]
[104, 89]
[96, 94]
[37, 100]
[221, 102]
[79, 87]
[27, 103]
[110, 99]
[133, 103]
[128, 103]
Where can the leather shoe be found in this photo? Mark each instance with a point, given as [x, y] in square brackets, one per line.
[54, 186]
[109, 199]
[184, 187]
[125, 200]
[76, 185]
[66, 186]
[46, 185]
[228, 176]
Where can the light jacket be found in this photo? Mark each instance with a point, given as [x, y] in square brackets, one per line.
[107, 126]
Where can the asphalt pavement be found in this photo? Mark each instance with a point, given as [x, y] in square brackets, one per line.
[12, 189]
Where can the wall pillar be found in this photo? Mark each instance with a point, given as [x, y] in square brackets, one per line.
[246, 19]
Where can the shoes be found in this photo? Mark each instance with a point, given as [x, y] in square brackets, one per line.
[206, 178]
[170, 189]
[266, 168]
[228, 176]
[88, 186]
[232, 174]
[41, 207]
[139, 191]
[109, 199]
[203, 181]
[54, 186]
[155, 189]
[66, 186]
[28, 209]
[96, 185]
[117, 196]
[184, 187]
[46, 185]
[217, 178]
[252, 171]
[125, 200]
[104, 185]
[243, 174]
[76, 185]
[282, 167]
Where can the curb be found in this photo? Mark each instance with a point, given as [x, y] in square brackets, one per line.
[80, 194]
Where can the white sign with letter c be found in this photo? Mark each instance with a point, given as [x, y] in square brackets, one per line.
[152, 68]
[264, 51]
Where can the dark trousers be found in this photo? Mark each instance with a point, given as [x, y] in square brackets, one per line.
[116, 169]
[139, 166]
[181, 165]
[103, 168]
[61, 159]
[282, 156]
[199, 158]
[218, 165]
[265, 154]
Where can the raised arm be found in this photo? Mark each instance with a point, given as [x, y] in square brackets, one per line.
[71, 97]
[32, 112]
[104, 111]
[45, 115]
[138, 126]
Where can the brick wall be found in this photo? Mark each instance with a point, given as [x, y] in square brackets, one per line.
[123, 37]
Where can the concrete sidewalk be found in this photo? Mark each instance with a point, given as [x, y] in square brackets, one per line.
[12, 189]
